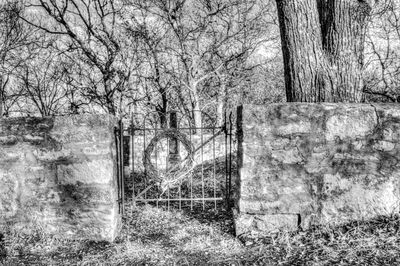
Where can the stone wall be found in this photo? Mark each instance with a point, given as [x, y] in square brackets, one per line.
[311, 164]
[59, 173]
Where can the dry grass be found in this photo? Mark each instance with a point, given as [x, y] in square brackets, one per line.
[152, 236]
[371, 242]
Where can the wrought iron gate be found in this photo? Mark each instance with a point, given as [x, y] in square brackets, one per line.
[176, 166]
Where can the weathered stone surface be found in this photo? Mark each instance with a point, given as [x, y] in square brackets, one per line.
[96, 171]
[342, 124]
[252, 224]
[8, 194]
[8, 140]
[60, 172]
[319, 162]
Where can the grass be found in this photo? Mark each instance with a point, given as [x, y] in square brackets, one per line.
[149, 236]
[152, 236]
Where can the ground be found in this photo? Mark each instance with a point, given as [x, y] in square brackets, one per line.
[152, 236]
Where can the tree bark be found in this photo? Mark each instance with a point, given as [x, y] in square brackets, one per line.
[302, 50]
[322, 45]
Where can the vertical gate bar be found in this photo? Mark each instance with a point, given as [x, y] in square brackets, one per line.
[168, 198]
[230, 158]
[202, 164]
[122, 169]
[156, 164]
[175, 123]
[226, 159]
[166, 170]
[117, 136]
[180, 195]
[144, 148]
[191, 175]
[133, 160]
[119, 166]
[215, 194]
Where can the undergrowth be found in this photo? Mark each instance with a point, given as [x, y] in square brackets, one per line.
[152, 236]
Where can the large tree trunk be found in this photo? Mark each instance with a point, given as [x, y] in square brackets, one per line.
[322, 45]
[302, 50]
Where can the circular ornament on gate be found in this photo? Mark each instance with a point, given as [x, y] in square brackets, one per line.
[173, 134]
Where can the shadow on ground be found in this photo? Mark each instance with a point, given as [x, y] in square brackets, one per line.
[152, 236]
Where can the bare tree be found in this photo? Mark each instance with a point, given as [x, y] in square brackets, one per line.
[17, 44]
[89, 32]
[382, 75]
[153, 74]
[194, 44]
[43, 83]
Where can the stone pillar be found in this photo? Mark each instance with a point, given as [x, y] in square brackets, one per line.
[60, 173]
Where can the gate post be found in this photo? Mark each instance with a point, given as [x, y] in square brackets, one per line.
[126, 154]
[119, 136]
[173, 155]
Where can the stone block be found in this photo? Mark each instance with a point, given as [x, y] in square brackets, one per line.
[8, 195]
[263, 224]
[87, 172]
[384, 145]
[60, 172]
[300, 127]
[8, 140]
[355, 122]
[287, 156]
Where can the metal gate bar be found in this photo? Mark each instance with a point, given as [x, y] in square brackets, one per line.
[120, 166]
[146, 190]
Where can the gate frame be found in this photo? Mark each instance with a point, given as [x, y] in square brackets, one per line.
[226, 129]
[119, 143]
